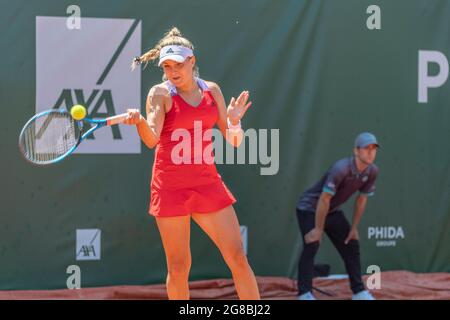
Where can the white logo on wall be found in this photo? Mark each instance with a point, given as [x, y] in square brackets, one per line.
[386, 236]
[74, 280]
[244, 237]
[374, 21]
[427, 80]
[88, 244]
[91, 66]
[374, 281]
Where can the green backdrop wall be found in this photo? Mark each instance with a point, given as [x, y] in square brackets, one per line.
[314, 70]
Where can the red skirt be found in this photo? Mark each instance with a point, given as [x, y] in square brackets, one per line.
[198, 199]
[187, 189]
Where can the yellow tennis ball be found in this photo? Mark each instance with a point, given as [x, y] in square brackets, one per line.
[78, 112]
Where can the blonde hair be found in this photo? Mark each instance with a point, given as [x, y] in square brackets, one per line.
[172, 37]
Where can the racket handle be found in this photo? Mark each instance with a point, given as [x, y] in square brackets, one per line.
[120, 118]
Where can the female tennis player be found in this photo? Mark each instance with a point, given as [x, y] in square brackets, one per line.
[185, 184]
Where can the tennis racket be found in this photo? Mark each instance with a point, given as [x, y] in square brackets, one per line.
[51, 136]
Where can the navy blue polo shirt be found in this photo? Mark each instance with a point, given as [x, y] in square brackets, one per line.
[341, 180]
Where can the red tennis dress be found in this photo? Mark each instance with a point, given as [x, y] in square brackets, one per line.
[184, 176]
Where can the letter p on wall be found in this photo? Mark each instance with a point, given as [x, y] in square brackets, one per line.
[426, 81]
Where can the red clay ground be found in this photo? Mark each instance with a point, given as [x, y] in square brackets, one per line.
[394, 285]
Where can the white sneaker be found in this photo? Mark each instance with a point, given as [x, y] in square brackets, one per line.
[363, 295]
[306, 296]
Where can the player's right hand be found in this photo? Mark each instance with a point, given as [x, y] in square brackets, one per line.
[315, 235]
[134, 117]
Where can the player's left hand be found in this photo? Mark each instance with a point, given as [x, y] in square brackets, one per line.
[237, 107]
[352, 235]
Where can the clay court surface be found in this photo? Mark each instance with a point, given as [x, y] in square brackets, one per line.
[394, 285]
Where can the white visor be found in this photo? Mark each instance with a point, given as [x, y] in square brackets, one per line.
[176, 53]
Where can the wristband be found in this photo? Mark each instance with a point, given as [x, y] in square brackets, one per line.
[234, 128]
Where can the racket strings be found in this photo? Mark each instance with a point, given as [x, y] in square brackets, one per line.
[49, 137]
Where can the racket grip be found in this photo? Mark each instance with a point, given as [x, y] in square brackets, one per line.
[120, 118]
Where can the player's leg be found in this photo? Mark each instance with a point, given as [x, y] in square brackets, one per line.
[306, 222]
[175, 235]
[337, 228]
[223, 228]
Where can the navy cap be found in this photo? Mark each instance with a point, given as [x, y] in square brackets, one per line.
[364, 139]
